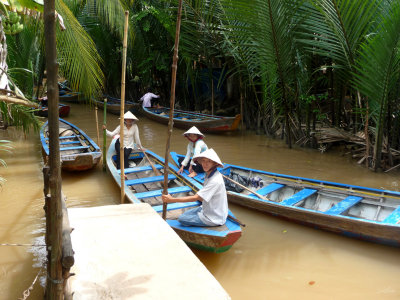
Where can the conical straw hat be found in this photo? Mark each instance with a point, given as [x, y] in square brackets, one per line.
[210, 154]
[129, 115]
[194, 130]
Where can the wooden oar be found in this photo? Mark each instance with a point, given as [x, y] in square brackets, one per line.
[158, 173]
[236, 221]
[246, 188]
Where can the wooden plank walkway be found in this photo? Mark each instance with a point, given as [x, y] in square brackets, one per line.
[128, 252]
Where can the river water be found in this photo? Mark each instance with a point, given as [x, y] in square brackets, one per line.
[274, 259]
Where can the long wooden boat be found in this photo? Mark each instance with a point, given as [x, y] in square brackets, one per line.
[70, 97]
[354, 211]
[63, 111]
[114, 105]
[185, 119]
[77, 150]
[143, 185]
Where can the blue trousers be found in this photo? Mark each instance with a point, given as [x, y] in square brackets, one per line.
[191, 218]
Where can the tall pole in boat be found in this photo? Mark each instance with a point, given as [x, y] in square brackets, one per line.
[105, 135]
[121, 121]
[54, 280]
[172, 104]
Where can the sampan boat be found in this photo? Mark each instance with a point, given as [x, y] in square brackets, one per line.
[114, 104]
[354, 211]
[70, 97]
[78, 151]
[185, 119]
[144, 185]
[63, 110]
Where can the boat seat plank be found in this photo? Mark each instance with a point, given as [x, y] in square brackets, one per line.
[148, 179]
[140, 169]
[71, 142]
[269, 189]
[74, 148]
[66, 137]
[157, 193]
[177, 205]
[343, 205]
[393, 218]
[303, 194]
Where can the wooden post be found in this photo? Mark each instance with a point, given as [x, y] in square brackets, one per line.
[105, 135]
[54, 279]
[121, 121]
[172, 105]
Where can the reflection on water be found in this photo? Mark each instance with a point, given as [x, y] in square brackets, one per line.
[274, 259]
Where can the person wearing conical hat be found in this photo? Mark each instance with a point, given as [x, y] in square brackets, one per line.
[131, 137]
[214, 208]
[196, 146]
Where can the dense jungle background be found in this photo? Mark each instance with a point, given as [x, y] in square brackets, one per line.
[316, 73]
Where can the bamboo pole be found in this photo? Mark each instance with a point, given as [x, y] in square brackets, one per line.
[97, 127]
[121, 121]
[105, 135]
[172, 105]
[54, 278]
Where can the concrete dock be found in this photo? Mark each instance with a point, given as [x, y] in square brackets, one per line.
[128, 252]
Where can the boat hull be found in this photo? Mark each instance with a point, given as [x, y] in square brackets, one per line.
[78, 152]
[353, 211]
[205, 123]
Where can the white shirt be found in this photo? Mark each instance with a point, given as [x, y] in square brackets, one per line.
[215, 203]
[146, 98]
[131, 135]
[194, 149]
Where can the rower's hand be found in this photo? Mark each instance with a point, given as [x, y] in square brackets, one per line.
[180, 170]
[190, 169]
[167, 198]
[104, 127]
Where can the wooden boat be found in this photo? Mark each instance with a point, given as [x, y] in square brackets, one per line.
[143, 185]
[70, 97]
[354, 211]
[185, 119]
[114, 105]
[63, 111]
[77, 150]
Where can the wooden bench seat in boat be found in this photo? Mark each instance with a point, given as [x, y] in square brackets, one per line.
[303, 194]
[70, 143]
[140, 169]
[269, 189]
[66, 137]
[393, 218]
[148, 179]
[176, 205]
[156, 193]
[74, 148]
[343, 205]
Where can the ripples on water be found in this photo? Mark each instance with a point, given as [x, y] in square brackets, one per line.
[274, 259]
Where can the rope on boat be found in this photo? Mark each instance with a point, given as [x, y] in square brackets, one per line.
[27, 292]
[32, 245]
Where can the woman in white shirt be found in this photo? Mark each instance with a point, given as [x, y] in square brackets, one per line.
[214, 208]
[131, 137]
[196, 146]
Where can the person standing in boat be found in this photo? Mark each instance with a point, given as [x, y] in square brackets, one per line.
[131, 137]
[196, 146]
[146, 98]
[214, 208]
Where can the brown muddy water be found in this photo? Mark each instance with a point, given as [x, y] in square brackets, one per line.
[274, 259]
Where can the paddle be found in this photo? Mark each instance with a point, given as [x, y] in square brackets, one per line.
[245, 187]
[158, 173]
[236, 221]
